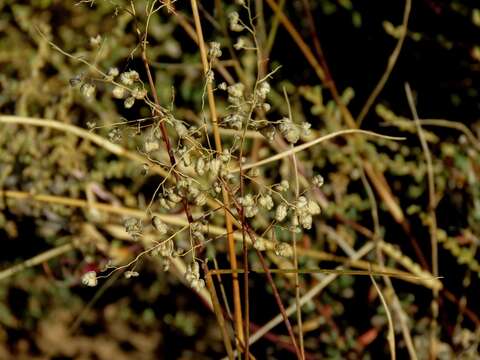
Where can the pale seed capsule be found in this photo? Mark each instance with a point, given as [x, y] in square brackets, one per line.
[181, 129]
[200, 166]
[263, 90]
[266, 201]
[201, 199]
[198, 237]
[318, 181]
[283, 249]
[234, 23]
[313, 208]
[129, 77]
[283, 186]
[139, 93]
[90, 278]
[128, 103]
[129, 274]
[87, 90]
[214, 51]
[236, 90]
[150, 146]
[250, 211]
[95, 40]
[306, 221]
[118, 92]
[172, 196]
[215, 166]
[281, 212]
[159, 225]
[113, 72]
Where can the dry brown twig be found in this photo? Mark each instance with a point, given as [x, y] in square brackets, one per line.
[226, 197]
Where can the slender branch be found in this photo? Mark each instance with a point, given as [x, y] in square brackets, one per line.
[392, 60]
[226, 198]
[84, 134]
[218, 312]
[161, 123]
[397, 307]
[425, 278]
[37, 260]
[310, 144]
[307, 297]
[294, 240]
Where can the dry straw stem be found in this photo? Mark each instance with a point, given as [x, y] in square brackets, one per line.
[84, 134]
[119, 210]
[218, 312]
[377, 178]
[226, 198]
[396, 305]
[156, 109]
[119, 232]
[317, 67]
[370, 272]
[391, 331]
[96, 139]
[60, 250]
[311, 143]
[36, 260]
[432, 219]
[429, 281]
[308, 296]
[294, 242]
[453, 125]
[392, 60]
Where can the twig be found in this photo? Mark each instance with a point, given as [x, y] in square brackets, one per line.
[157, 110]
[96, 139]
[392, 60]
[36, 260]
[226, 199]
[294, 241]
[453, 125]
[218, 312]
[376, 177]
[308, 296]
[311, 143]
[397, 307]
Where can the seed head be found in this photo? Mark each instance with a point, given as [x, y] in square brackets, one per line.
[318, 181]
[129, 77]
[139, 93]
[266, 202]
[283, 249]
[88, 90]
[263, 90]
[151, 145]
[159, 225]
[214, 51]
[128, 103]
[90, 278]
[118, 92]
[281, 212]
[113, 72]
[129, 274]
[234, 21]
[95, 40]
